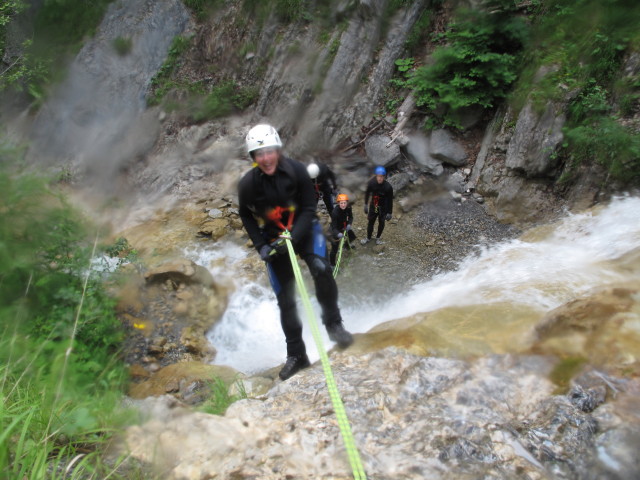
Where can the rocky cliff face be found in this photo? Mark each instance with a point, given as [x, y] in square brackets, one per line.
[323, 83]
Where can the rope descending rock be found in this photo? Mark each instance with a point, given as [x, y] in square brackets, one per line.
[338, 406]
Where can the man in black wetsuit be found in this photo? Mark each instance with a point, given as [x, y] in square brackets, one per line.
[324, 182]
[381, 207]
[278, 193]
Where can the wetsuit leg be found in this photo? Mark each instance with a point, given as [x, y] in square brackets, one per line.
[283, 283]
[326, 288]
[381, 222]
[371, 217]
[334, 252]
[327, 197]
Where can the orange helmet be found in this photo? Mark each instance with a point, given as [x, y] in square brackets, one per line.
[342, 198]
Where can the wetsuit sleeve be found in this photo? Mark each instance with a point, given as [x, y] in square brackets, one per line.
[248, 220]
[335, 230]
[306, 203]
[332, 178]
[349, 215]
[389, 196]
[367, 193]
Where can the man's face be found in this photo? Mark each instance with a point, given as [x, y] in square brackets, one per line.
[343, 204]
[267, 159]
[380, 178]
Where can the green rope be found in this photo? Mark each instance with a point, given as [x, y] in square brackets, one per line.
[338, 407]
[337, 267]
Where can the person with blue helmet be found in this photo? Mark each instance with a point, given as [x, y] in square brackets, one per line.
[277, 195]
[378, 203]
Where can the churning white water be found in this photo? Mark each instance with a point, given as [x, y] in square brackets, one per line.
[543, 269]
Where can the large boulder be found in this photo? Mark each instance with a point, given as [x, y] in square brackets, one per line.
[417, 149]
[381, 150]
[444, 148]
[399, 181]
[536, 137]
[603, 323]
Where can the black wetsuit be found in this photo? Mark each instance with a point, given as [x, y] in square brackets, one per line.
[325, 184]
[339, 220]
[289, 186]
[381, 195]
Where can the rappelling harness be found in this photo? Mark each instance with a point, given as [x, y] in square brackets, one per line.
[375, 200]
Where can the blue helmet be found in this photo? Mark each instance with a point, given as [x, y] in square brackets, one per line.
[380, 170]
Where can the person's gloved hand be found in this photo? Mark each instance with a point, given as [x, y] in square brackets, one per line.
[280, 246]
[348, 229]
[339, 236]
[387, 217]
[265, 253]
[366, 209]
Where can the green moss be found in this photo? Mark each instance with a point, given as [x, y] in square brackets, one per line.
[163, 82]
[202, 8]
[605, 141]
[222, 100]
[122, 45]
[564, 371]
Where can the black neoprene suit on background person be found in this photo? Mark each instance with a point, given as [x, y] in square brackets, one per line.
[339, 220]
[325, 183]
[381, 195]
[290, 186]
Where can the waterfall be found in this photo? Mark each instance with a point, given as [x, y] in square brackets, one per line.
[542, 269]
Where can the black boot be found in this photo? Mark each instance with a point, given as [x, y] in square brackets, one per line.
[293, 365]
[338, 334]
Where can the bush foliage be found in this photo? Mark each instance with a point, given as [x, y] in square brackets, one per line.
[476, 64]
[60, 374]
[585, 42]
[59, 28]
[544, 51]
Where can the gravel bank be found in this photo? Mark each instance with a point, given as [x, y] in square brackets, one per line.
[433, 237]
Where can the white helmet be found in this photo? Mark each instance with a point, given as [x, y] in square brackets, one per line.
[262, 136]
[313, 170]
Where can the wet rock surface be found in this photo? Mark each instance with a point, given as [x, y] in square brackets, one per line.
[166, 312]
[418, 417]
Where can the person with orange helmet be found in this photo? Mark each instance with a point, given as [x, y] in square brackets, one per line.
[341, 220]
